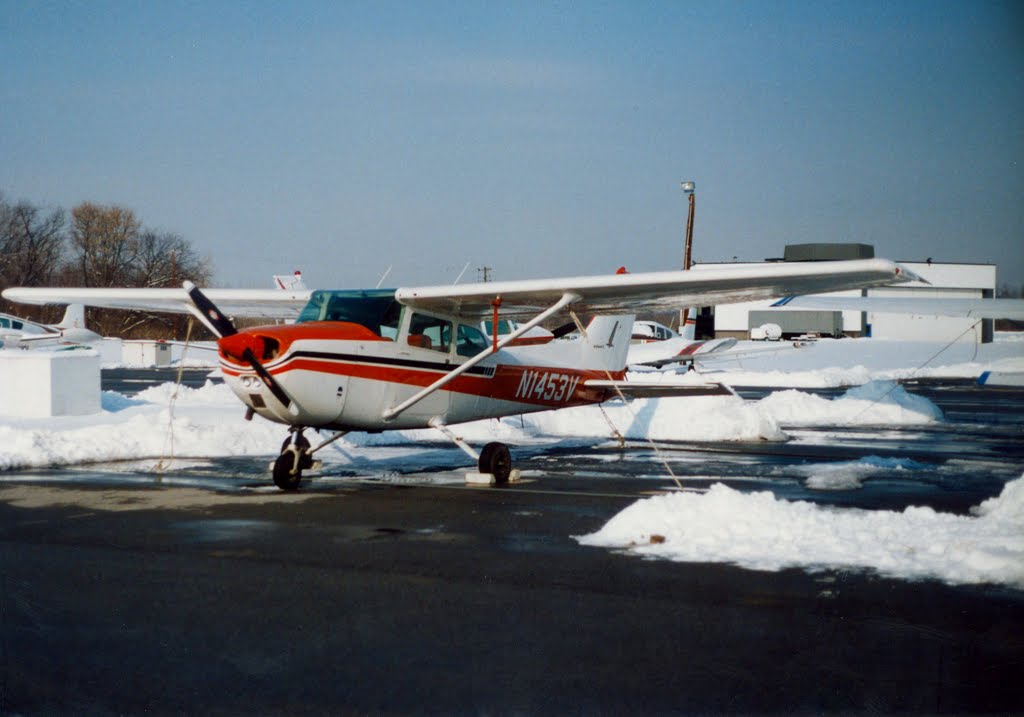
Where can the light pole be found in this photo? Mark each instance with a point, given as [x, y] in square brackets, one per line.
[689, 188]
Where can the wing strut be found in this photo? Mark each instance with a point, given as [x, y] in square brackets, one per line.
[567, 298]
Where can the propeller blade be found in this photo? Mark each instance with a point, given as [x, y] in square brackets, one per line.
[218, 322]
[270, 381]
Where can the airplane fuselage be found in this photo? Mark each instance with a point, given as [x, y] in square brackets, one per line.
[341, 376]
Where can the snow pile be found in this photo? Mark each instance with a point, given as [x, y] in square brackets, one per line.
[761, 532]
[875, 403]
[204, 422]
[697, 418]
[207, 422]
[847, 475]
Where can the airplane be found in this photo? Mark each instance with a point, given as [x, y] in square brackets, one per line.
[388, 359]
[657, 345]
[16, 332]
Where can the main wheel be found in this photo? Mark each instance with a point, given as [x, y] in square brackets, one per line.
[496, 460]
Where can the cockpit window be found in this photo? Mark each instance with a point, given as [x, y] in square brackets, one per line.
[376, 309]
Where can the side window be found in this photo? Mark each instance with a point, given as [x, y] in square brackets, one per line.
[470, 341]
[429, 332]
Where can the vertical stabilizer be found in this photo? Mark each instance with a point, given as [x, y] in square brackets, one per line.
[689, 328]
[606, 343]
[74, 317]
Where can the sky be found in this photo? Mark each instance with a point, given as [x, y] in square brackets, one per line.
[537, 139]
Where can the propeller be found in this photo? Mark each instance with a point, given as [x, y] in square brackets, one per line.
[233, 343]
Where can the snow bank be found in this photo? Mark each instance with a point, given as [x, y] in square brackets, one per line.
[761, 532]
[208, 422]
[203, 422]
[698, 418]
[874, 403]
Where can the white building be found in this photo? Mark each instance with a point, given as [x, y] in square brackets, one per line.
[945, 280]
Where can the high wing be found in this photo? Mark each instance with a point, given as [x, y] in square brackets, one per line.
[657, 291]
[266, 303]
[610, 293]
[968, 308]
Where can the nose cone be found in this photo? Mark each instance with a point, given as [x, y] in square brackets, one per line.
[235, 346]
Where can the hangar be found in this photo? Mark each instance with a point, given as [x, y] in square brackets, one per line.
[945, 280]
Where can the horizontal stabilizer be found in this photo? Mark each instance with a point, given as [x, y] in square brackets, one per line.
[660, 389]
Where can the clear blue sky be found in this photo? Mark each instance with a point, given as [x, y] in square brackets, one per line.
[540, 139]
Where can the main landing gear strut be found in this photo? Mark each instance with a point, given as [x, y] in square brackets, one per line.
[296, 456]
[494, 462]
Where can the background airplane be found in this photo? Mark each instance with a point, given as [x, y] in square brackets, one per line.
[924, 306]
[16, 332]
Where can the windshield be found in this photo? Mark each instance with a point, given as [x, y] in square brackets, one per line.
[376, 309]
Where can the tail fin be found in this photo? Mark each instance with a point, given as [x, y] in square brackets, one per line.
[689, 330]
[606, 343]
[74, 317]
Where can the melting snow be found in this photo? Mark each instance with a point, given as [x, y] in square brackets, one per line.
[760, 532]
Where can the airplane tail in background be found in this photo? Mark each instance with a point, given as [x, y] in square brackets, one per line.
[74, 317]
[689, 330]
[290, 283]
[606, 344]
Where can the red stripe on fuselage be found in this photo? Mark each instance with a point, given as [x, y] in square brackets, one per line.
[535, 385]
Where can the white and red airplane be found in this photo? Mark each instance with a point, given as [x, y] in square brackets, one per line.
[384, 359]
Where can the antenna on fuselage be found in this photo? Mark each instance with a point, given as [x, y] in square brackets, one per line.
[461, 273]
[383, 277]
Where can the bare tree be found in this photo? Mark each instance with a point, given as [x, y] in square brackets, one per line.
[167, 260]
[105, 240]
[31, 244]
[105, 246]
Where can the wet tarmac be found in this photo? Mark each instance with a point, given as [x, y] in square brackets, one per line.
[376, 590]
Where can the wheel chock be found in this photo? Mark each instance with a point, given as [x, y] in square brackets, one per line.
[474, 478]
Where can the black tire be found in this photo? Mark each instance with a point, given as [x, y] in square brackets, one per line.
[496, 460]
[283, 476]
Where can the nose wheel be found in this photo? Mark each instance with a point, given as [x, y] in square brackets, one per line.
[294, 458]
